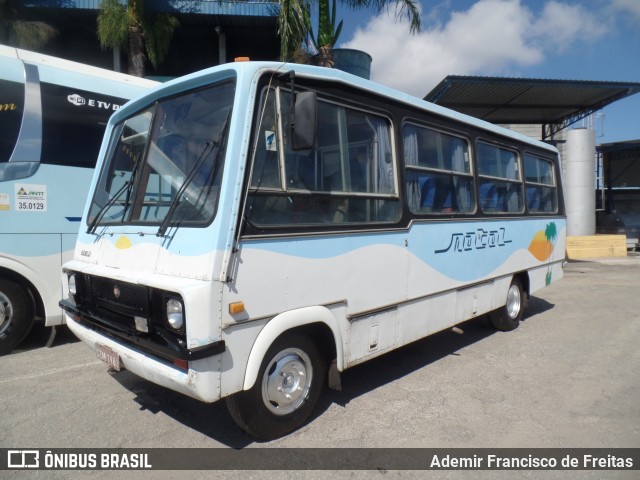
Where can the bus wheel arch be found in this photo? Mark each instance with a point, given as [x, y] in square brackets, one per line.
[316, 322]
[292, 364]
[18, 307]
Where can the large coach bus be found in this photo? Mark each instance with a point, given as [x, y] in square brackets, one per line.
[257, 228]
[53, 114]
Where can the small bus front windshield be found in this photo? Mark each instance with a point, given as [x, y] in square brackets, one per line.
[164, 164]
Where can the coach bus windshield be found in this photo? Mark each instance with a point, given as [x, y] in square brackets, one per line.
[164, 164]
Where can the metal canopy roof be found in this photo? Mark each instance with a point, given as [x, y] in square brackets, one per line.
[553, 103]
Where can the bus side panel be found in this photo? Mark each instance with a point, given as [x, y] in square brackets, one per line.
[540, 277]
[363, 270]
[372, 335]
[450, 272]
[445, 256]
[36, 257]
[38, 226]
[424, 316]
[57, 195]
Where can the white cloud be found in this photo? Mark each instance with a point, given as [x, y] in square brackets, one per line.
[561, 24]
[490, 38]
[627, 6]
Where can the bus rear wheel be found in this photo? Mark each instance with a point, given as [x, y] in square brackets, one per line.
[287, 389]
[16, 315]
[508, 317]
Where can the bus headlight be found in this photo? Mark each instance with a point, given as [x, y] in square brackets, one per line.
[175, 314]
[71, 282]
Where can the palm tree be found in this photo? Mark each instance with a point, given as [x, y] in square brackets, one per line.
[550, 232]
[31, 35]
[129, 26]
[328, 33]
[294, 21]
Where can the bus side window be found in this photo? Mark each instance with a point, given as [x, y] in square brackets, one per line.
[488, 197]
[534, 198]
[427, 193]
[439, 178]
[266, 165]
[10, 116]
[66, 126]
[501, 189]
[541, 193]
[348, 177]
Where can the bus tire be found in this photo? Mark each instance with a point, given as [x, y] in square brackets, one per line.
[16, 315]
[508, 317]
[287, 389]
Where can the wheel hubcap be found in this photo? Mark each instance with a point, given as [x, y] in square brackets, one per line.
[286, 381]
[514, 301]
[5, 312]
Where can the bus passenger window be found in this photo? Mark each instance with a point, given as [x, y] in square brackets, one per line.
[348, 177]
[541, 193]
[439, 178]
[500, 181]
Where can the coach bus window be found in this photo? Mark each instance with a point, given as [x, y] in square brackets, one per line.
[347, 178]
[439, 178]
[540, 192]
[500, 182]
[70, 118]
[11, 108]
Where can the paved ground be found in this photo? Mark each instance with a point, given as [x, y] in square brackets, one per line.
[568, 377]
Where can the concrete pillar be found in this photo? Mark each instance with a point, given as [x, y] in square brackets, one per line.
[579, 182]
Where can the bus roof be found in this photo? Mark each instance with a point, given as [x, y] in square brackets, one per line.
[249, 70]
[78, 72]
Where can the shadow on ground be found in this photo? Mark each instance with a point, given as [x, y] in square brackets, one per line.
[41, 337]
[214, 421]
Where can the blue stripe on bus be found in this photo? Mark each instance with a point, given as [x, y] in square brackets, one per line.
[73, 219]
[462, 251]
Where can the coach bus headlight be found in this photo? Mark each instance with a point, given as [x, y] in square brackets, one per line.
[175, 314]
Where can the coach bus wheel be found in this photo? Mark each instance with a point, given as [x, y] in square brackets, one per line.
[288, 386]
[16, 315]
[508, 317]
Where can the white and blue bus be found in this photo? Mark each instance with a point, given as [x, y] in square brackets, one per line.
[257, 228]
[53, 113]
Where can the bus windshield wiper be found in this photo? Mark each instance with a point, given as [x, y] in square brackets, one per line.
[112, 200]
[192, 173]
[128, 186]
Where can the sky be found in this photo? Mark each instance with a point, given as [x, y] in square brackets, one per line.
[548, 39]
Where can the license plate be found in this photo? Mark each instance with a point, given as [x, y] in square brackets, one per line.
[108, 356]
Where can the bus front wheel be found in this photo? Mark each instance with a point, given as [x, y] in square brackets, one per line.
[508, 317]
[16, 315]
[287, 389]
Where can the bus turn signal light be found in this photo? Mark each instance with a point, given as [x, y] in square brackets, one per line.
[236, 307]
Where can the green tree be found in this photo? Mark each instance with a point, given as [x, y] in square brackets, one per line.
[328, 33]
[31, 35]
[294, 24]
[128, 26]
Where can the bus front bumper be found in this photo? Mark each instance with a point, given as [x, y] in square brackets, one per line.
[201, 383]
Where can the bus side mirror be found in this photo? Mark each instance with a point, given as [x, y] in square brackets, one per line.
[304, 121]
